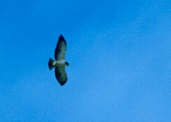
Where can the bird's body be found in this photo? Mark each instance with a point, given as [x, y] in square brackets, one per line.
[59, 63]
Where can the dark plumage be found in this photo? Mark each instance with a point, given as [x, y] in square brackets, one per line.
[59, 62]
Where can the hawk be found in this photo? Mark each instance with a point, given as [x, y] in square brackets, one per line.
[59, 63]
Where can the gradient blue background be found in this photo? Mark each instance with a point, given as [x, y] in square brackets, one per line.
[119, 53]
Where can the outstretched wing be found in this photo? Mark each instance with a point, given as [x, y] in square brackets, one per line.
[60, 49]
[61, 75]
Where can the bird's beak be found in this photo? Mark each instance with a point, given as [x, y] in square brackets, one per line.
[54, 63]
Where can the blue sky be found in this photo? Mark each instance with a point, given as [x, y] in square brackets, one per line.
[119, 53]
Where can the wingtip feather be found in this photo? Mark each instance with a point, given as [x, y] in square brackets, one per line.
[61, 37]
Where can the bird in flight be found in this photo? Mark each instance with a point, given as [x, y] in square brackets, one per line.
[59, 63]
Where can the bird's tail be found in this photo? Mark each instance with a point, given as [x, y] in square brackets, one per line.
[50, 63]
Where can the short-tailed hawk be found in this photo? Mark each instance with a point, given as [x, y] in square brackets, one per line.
[59, 63]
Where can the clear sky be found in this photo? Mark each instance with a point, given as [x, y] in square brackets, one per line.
[119, 53]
